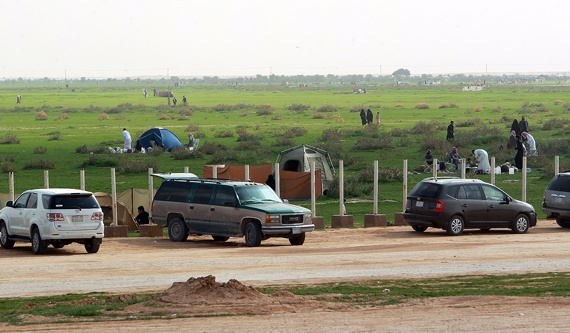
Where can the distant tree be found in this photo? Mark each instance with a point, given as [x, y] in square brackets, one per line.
[401, 72]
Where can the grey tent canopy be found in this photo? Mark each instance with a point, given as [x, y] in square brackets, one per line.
[161, 137]
[299, 159]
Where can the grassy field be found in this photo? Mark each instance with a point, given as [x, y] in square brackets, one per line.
[243, 124]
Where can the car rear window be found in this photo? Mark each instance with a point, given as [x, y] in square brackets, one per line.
[84, 201]
[560, 183]
[426, 190]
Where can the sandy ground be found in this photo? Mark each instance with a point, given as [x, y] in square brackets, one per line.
[139, 264]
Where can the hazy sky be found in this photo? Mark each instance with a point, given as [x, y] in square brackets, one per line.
[118, 38]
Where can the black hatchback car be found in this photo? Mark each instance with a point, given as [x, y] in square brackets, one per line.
[455, 204]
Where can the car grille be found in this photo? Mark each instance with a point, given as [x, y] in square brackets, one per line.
[292, 219]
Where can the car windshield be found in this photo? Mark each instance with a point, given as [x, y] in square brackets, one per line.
[69, 201]
[256, 193]
[425, 190]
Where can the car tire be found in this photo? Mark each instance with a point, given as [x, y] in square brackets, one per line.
[564, 223]
[419, 228]
[39, 246]
[177, 230]
[4, 241]
[252, 234]
[455, 226]
[521, 224]
[297, 240]
[220, 238]
[92, 246]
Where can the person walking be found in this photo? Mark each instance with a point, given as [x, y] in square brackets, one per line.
[363, 117]
[523, 124]
[369, 117]
[450, 132]
[378, 117]
[127, 140]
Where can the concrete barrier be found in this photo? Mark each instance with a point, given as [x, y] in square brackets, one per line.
[319, 222]
[116, 231]
[375, 220]
[342, 221]
[150, 230]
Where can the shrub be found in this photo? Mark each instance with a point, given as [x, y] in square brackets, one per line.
[100, 161]
[557, 102]
[358, 108]
[7, 168]
[103, 116]
[192, 128]
[224, 134]
[40, 150]
[276, 118]
[265, 110]
[327, 108]
[331, 134]
[62, 116]
[164, 116]
[318, 115]
[284, 142]
[128, 165]
[54, 136]
[42, 115]
[212, 147]
[422, 127]
[554, 123]
[298, 108]
[372, 143]
[85, 149]
[39, 164]
[296, 131]
[468, 122]
[156, 151]
[398, 105]
[9, 158]
[450, 105]
[9, 138]
[422, 105]
[241, 131]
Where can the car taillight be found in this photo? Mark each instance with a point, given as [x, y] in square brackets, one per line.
[97, 216]
[52, 217]
[438, 206]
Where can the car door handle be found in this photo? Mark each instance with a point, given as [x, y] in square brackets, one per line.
[464, 205]
[491, 206]
[191, 207]
[212, 209]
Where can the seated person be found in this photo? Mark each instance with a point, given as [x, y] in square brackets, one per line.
[142, 218]
[469, 164]
[505, 167]
[454, 158]
[428, 158]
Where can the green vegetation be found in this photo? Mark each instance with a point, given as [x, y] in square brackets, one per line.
[100, 307]
[63, 131]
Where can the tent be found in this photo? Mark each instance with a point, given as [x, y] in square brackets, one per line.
[127, 203]
[161, 136]
[299, 159]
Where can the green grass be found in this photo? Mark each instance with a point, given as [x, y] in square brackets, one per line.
[73, 120]
[100, 307]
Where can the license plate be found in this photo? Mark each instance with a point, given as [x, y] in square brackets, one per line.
[558, 200]
[296, 231]
[419, 203]
[76, 218]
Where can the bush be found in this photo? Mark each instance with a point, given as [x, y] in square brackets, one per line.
[224, 134]
[318, 115]
[372, 143]
[554, 123]
[298, 108]
[155, 151]
[40, 150]
[421, 106]
[181, 153]
[54, 136]
[128, 165]
[296, 131]
[39, 164]
[265, 110]
[450, 105]
[100, 161]
[210, 148]
[42, 115]
[7, 167]
[85, 149]
[286, 142]
[9, 138]
[103, 116]
[331, 134]
[327, 108]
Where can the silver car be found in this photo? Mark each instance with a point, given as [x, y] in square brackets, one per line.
[556, 202]
[56, 217]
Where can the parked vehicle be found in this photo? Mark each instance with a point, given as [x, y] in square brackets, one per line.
[455, 204]
[556, 202]
[227, 208]
[52, 216]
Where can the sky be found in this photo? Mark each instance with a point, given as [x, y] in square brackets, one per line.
[132, 38]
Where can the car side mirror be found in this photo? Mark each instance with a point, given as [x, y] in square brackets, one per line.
[285, 200]
[10, 204]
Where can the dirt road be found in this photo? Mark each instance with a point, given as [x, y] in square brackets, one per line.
[136, 264]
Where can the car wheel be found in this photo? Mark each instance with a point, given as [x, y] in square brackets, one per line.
[91, 246]
[253, 234]
[564, 223]
[419, 228]
[177, 230]
[297, 240]
[455, 226]
[521, 224]
[4, 241]
[220, 238]
[39, 246]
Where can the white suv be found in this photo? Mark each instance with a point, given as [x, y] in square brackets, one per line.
[52, 216]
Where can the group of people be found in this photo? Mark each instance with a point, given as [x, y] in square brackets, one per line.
[367, 117]
[482, 166]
